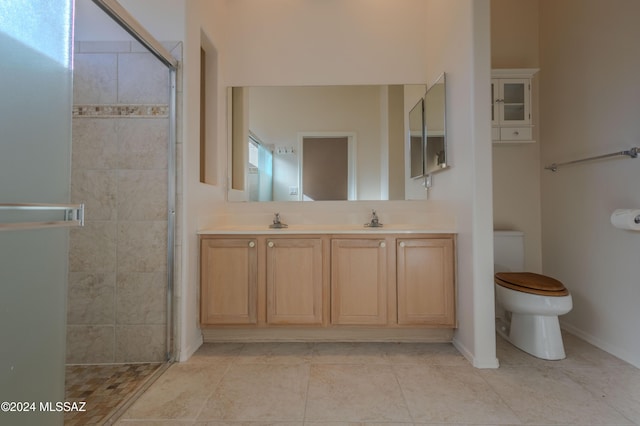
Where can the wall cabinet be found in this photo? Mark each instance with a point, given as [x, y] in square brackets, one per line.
[511, 116]
[351, 283]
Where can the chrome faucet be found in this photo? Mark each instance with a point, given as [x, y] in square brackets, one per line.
[277, 224]
[375, 222]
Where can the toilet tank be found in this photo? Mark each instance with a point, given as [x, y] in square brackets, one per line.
[508, 251]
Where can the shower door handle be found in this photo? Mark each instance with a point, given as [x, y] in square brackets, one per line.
[73, 215]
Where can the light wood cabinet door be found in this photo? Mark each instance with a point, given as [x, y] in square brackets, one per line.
[425, 273]
[358, 281]
[294, 281]
[229, 277]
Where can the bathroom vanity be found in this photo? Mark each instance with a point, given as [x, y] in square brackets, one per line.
[315, 284]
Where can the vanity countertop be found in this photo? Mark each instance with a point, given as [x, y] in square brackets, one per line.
[323, 229]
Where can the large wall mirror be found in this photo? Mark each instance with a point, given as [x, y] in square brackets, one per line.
[304, 143]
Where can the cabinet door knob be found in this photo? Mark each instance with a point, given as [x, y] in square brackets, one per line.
[402, 244]
[516, 133]
[252, 244]
[270, 244]
[383, 244]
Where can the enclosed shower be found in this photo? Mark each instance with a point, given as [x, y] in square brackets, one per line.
[119, 329]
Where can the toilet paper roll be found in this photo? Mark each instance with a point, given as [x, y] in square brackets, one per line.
[626, 219]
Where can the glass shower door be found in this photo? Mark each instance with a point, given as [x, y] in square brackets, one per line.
[35, 153]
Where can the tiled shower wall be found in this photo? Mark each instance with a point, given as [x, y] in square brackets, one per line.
[118, 262]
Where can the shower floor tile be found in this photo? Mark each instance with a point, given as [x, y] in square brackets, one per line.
[103, 388]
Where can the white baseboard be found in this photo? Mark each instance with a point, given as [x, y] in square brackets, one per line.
[189, 349]
[612, 349]
[477, 363]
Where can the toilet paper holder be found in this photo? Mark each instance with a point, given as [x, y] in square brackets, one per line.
[628, 219]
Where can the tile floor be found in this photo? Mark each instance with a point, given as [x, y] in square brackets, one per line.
[336, 384]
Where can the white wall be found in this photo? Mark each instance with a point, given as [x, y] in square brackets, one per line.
[292, 42]
[467, 185]
[164, 19]
[590, 105]
[204, 18]
[92, 24]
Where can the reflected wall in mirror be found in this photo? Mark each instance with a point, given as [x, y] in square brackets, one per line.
[372, 118]
[435, 122]
[416, 139]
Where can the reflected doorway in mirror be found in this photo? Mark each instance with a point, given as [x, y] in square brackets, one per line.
[327, 167]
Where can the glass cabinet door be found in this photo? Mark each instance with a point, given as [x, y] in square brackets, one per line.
[512, 101]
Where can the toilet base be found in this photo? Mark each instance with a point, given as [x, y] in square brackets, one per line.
[537, 335]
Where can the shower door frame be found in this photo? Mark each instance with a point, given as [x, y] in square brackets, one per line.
[123, 18]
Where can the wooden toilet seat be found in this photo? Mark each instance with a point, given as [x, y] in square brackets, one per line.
[529, 282]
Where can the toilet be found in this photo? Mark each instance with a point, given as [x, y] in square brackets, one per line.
[527, 304]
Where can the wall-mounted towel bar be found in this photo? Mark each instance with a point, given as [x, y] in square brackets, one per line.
[73, 216]
[632, 153]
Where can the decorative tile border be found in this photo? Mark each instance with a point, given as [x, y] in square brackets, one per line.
[110, 111]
